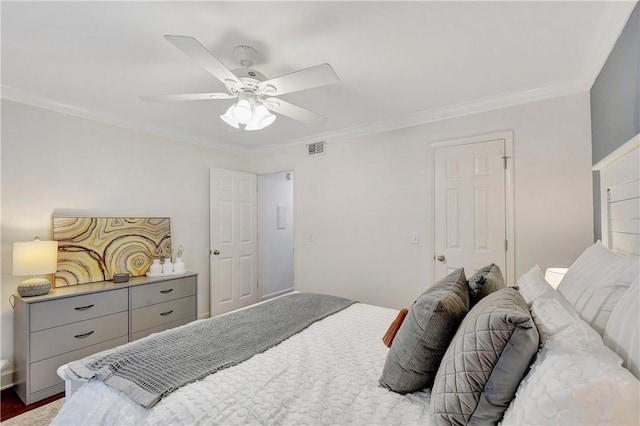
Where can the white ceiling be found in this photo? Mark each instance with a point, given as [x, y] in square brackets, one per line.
[400, 63]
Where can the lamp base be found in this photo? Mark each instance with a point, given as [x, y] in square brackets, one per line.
[34, 287]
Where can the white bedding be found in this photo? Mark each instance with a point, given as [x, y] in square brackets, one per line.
[327, 374]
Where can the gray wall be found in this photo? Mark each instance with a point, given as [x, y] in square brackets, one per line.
[615, 102]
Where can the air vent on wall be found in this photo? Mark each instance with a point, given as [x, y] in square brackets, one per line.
[316, 148]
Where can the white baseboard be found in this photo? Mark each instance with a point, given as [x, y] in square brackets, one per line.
[277, 293]
[7, 380]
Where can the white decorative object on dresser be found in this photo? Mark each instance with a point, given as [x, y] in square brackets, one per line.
[76, 321]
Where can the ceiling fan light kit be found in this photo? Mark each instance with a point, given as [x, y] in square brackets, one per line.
[242, 111]
[254, 91]
[261, 119]
[228, 118]
[253, 117]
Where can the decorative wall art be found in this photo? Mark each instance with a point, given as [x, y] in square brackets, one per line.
[94, 248]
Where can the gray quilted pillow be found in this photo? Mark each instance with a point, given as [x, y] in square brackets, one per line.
[425, 334]
[484, 282]
[485, 362]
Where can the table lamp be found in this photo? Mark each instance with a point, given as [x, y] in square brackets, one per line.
[33, 258]
[554, 276]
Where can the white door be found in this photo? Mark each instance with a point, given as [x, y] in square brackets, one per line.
[275, 227]
[233, 240]
[471, 220]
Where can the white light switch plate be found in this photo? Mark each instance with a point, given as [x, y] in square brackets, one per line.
[414, 238]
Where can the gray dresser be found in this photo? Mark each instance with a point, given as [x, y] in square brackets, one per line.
[72, 322]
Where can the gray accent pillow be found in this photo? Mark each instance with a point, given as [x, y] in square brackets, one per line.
[484, 282]
[423, 337]
[488, 357]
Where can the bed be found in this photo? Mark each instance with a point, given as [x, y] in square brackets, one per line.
[582, 365]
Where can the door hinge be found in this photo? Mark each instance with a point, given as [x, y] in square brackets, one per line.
[504, 159]
[506, 245]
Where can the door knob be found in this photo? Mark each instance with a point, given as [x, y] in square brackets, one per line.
[441, 258]
[216, 252]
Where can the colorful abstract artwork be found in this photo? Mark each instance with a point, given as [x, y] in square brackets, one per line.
[94, 248]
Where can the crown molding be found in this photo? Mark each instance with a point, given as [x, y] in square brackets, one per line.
[491, 103]
[415, 119]
[24, 97]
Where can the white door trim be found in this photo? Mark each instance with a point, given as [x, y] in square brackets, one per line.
[507, 135]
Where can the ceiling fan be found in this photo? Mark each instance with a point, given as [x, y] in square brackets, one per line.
[255, 93]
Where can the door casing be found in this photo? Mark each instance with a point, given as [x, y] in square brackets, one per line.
[507, 136]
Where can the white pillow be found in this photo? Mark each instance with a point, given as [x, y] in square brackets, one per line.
[623, 329]
[595, 283]
[622, 333]
[575, 379]
[560, 327]
[532, 284]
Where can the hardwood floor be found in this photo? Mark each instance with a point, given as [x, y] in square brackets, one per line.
[11, 405]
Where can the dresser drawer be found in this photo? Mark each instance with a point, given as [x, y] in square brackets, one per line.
[159, 328]
[58, 312]
[150, 294]
[162, 313]
[67, 338]
[42, 374]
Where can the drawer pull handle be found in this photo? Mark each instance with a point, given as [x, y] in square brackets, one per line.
[84, 308]
[166, 291]
[82, 336]
[164, 314]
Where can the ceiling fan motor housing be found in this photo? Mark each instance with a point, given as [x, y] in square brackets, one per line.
[249, 74]
[247, 56]
[249, 77]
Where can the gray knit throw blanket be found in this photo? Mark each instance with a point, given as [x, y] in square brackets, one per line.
[149, 369]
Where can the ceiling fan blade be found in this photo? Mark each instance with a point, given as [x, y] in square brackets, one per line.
[188, 97]
[196, 51]
[320, 75]
[293, 111]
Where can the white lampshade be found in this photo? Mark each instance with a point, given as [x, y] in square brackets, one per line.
[242, 112]
[554, 276]
[35, 257]
[261, 119]
[227, 117]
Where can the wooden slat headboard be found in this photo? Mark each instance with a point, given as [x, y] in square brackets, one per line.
[620, 198]
[620, 214]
